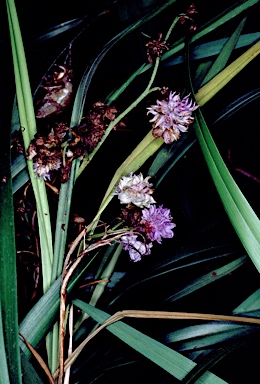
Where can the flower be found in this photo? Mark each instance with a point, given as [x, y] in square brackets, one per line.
[172, 117]
[185, 17]
[135, 189]
[135, 247]
[155, 48]
[43, 168]
[157, 223]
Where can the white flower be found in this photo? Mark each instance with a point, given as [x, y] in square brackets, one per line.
[171, 117]
[136, 190]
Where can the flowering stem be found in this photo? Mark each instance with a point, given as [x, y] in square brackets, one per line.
[171, 28]
[113, 123]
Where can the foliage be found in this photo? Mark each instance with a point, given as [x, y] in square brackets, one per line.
[128, 199]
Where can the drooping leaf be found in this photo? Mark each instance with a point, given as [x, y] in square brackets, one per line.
[171, 361]
[241, 215]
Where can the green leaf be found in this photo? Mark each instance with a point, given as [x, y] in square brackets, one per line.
[27, 121]
[237, 105]
[212, 48]
[209, 278]
[210, 89]
[206, 335]
[252, 303]
[30, 376]
[225, 53]
[241, 215]
[218, 332]
[44, 313]
[59, 29]
[8, 276]
[4, 377]
[168, 359]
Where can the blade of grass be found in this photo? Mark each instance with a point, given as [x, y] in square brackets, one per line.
[8, 275]
[240, 213]
[238, 104]
[219, 81]
[168, 359]
[206, 335]
[27, 120]
[4, 377]
[30, 376]
[212, 48]
[225, 53]
[209, 278]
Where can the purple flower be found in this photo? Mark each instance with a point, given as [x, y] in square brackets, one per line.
[135, 247]
[136, 190]
[157, 223]
[171, 117]
[43, 169]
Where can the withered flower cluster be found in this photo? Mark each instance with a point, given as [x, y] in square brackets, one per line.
[155, 48]
[186, 17]
[55, 151]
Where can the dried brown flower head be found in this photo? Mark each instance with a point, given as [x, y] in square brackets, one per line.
[56, 150]
[93, 127]
[155, 48]
[185, 17]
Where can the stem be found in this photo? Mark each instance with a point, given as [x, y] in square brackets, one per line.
[63, 294]
[88, 159]
[113, 123]
[171, 28]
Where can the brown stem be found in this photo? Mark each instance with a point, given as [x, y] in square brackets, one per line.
[66, 277]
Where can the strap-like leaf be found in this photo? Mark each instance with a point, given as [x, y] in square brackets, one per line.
[168, 359]
[241, 215]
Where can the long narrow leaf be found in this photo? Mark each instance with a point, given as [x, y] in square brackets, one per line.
[8, 275]
[168, 359]
[27, 120]
[219, 81]
[212, 48]
[241, 215]
[208, 278]
[225, 53]
[4, 377]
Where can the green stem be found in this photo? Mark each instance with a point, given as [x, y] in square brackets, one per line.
[171, 28]
[113, 123]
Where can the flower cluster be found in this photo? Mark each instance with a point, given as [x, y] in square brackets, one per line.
[155, 48]
[186, 17]
[136, 190]
[55, 150]
[157, 223]
[149, 223]
[172, 116]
